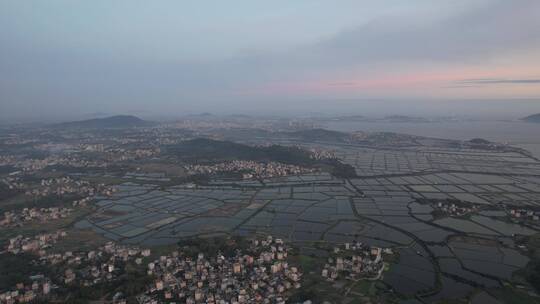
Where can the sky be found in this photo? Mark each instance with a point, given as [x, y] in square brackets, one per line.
[68, 58]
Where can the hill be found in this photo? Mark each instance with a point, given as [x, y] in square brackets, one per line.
[203, 150]
[318, 135]
[404, 118]
[208, 150]
[118, 121]
[532, 118]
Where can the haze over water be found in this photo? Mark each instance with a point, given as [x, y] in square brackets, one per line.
[522, 134]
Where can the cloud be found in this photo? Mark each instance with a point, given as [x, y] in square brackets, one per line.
[343, 84]
[487, 81]
[474, 36]
[483, 82]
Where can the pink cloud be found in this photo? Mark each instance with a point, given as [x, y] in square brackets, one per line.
[434, 80]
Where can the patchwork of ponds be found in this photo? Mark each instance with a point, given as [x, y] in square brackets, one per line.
[440, 257]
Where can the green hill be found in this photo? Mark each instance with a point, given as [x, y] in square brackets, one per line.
[204, 150]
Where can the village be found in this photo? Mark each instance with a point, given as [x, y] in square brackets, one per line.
[81, 268]
[524, 214]
[355, 261]
[451, 209]
[17, 219]
[67, 185]
[37, 244]
[250, 169]
[260, 275]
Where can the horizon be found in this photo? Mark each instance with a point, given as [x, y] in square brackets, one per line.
[430, 109]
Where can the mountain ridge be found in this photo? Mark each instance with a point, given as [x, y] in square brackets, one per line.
[532, 118]
[116, 121]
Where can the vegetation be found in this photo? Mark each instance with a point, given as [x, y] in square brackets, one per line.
[6, 193]
[532, 272]
[22, 201]
[17, 269]
[211, 246]
[202, 150]
[319, 135]
[514, 296]
[7, 169]
[479, 141]
[340, 169]
[130, 284]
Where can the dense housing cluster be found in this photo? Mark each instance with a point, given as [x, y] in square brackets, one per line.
[452, 209]
[67, 185]
[249, 169]
[524, 214]
[81, 268]
[36, 244]
[259, 275]
[40, 287]
[14, 218]
[355, 261]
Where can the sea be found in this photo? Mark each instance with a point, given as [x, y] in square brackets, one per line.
[516, 133]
